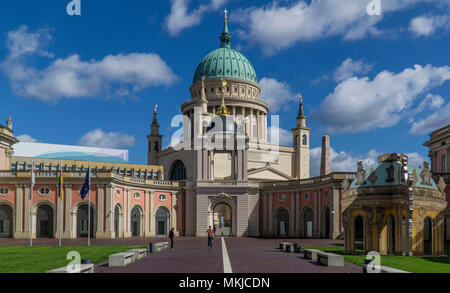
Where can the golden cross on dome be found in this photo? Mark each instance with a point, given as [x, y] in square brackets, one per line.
[226, 12]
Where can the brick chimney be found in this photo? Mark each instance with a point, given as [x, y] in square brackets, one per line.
[325, 157]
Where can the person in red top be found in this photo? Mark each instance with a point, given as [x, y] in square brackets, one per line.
[210, 233]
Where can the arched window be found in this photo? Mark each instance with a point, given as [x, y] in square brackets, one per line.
[178, 171]
[156, 146]
[305, 140]
[297, 140]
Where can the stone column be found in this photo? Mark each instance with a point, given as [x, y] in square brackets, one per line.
[264, 216]
[18, 217]
[100, 209]
[109, 231]
[173, 212]
[336, 212]
[316, 195]
[26, 210]
[292, 216]
[270, 228]
[180, 214]
[146, 213]
[258, 125]
[67, 211]
[127, 214]
[151, 213]
[447, 169]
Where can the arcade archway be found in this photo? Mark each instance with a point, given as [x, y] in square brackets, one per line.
[44, 222]
[282, 223]
[6, 221]
[83, 223]
[223, 219]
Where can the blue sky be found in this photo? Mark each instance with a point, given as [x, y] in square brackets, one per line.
[375, 84]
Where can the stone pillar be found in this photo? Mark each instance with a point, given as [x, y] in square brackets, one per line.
[100, 210]
[316, 195]
[292, 215]
[180, 214]
[270, 228]
[127, 216]
[264, 216]
[151, 213]
[108, 230]
[258, 125]
[18, 215]
[67, 234]
[26, 210]
[173, 213]
[146, 213]
[325, 158]
[447, 169]
[336, 212]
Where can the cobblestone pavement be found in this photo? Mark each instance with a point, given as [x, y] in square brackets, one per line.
[191, 255]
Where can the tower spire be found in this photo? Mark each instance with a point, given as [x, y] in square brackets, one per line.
[301, 118]
[225, 37]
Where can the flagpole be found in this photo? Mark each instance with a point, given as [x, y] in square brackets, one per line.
[89, 207]
[60, 201]
[31, 203]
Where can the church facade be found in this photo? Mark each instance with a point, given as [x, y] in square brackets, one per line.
[225, 173]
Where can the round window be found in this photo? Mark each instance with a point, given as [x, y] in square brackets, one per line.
[44, 191]
[282, 197]
[307, 196]
[4, 191]
[162, 197]
[137, 195]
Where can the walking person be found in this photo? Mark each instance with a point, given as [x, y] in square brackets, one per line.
[171, 235]
[210, 234]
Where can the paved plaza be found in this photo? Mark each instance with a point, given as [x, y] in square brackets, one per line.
[191, 255]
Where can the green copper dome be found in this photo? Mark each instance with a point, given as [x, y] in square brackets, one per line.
[225, 62]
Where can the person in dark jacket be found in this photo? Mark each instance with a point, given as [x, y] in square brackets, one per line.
[171, 235]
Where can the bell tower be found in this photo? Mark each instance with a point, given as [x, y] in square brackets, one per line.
[154, 140]
[301, 144]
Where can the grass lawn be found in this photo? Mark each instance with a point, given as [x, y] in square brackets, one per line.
[40, 259]
[406, 263]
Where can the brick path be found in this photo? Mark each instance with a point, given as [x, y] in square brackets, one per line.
[191, 255]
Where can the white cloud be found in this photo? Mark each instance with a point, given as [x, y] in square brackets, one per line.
[73, 78]
[99, 138]
[346, 162]
[426, 25]
[180, 19]
[350, 68]
[360, 104]
[438, 119]
[430, 102]
[26, 138]
[276, 27]
[284, 136]
[275, 93]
